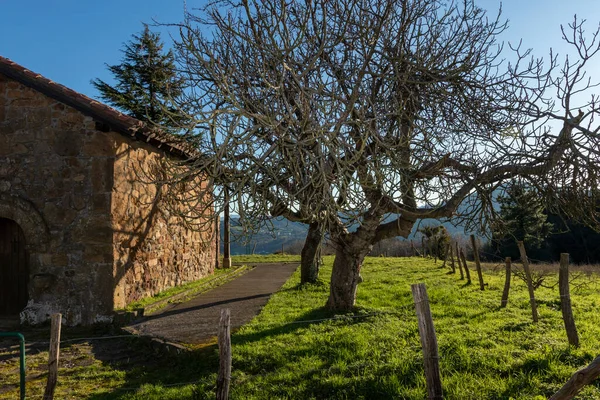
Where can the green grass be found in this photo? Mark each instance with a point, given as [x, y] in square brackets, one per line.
[265, 258]
[201, 285]
[485, 352]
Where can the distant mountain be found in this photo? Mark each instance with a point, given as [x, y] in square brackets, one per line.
[286, 235]
[289, 236]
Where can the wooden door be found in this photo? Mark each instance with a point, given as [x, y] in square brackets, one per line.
[14, 273]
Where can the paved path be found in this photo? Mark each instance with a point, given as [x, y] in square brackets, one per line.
[195, 321]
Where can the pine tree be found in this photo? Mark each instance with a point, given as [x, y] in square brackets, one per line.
[522, 217]
[146, 81]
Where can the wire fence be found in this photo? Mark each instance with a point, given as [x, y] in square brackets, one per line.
[399, 312]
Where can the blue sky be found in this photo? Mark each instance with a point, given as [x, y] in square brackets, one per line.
[69, 41]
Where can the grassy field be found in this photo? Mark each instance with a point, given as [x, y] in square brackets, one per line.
[292, 350]
[253, 258]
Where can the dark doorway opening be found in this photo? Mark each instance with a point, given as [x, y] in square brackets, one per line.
[14, 271]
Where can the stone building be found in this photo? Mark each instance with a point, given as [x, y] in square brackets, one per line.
[84, 230]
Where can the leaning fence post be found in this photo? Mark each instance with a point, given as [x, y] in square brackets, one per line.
[477, 262]
[428, 341]
[581, 378]
[504, 300]
[525, 262]
[464, 260]
[462, 276]
[565, 300]
[53, 356]
[224, 376]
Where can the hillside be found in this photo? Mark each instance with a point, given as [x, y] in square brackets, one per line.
[290, 236]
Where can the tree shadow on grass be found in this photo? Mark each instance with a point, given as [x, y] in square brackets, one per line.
[516, 326]
[145, 364]
[319, 284]
[339, 371]
[315, 316]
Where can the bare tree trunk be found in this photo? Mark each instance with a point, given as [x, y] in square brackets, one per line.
[529, 283]
[310, 256]
[217, 240]
[226, 234]
[344, 280]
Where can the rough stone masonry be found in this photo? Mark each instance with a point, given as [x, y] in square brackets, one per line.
[98, 234]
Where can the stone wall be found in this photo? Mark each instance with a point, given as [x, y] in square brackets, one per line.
[95, 243]
[153, 249]
[50, 161]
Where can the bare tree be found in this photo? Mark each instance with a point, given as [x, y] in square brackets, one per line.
[363, 116]
[310, 260]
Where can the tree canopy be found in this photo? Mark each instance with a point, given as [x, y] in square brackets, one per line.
[522, 217]
[146, 81]
[366, 115]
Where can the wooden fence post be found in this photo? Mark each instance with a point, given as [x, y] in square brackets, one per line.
[452, 266]
[565, 300]
[462, 276]
[428, 341]
[466, 267]
[581, 378]
[504, 301]
[477, 262]
[525, 262]
[53, 356]
[423, 246]
[224, 339]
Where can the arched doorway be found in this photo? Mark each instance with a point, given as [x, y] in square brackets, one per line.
[14, 271]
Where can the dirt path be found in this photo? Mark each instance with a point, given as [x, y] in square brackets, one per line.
[195, 321]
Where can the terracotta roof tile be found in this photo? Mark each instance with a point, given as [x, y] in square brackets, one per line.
[116, 120]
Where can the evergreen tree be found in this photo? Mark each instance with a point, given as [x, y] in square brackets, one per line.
[146, 80]
[437, 238]
[522, 217]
